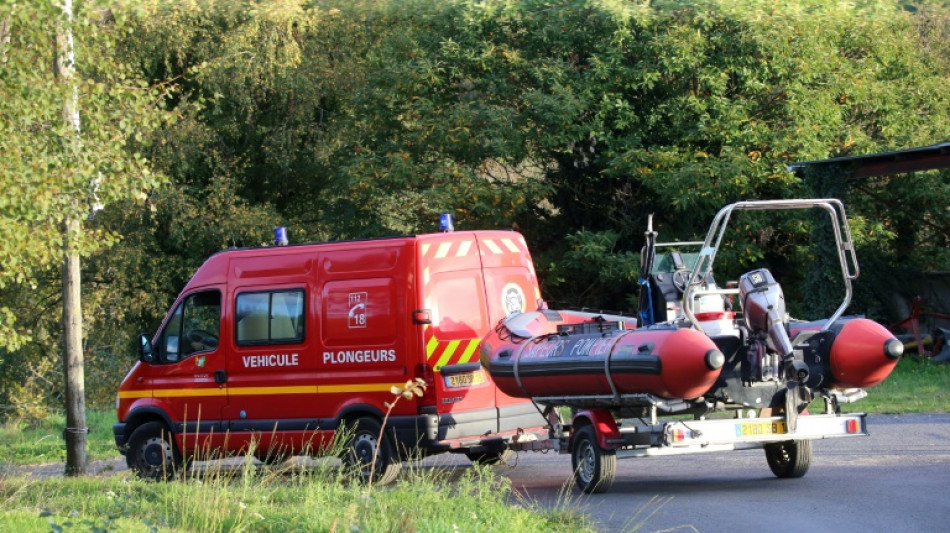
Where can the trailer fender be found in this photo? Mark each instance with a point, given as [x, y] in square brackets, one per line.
[608, 434]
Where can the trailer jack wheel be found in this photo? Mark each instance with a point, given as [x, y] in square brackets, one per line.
[789, 459]
[594, 467]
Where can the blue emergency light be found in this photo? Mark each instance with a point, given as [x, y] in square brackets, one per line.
[445, 222]
[280, 236]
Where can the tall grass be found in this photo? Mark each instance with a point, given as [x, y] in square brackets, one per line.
[250, 498]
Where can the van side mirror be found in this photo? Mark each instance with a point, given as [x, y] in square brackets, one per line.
[146, 354]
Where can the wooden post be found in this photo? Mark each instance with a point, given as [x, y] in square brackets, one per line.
[75, 432]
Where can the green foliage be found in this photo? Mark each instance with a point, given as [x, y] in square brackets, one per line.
[572, 120]
[55, 169]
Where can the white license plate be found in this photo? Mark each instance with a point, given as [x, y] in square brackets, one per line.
[465, 380]
[754, 429]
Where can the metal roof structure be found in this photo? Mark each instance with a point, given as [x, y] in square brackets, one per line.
[935, 156]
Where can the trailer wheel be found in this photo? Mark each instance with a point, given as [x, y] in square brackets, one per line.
[594, 467]
[363, 445]
[504, 456]
[152, 452]
[789, 459]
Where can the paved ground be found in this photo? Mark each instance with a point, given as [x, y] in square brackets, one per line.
[896, 480]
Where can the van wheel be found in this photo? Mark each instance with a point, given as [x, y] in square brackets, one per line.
[504, 456]
[152, 453]
[363, 445]
[594, 467]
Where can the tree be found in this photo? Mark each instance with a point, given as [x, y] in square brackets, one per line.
[56, 168]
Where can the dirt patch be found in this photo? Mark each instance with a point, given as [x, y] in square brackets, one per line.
[102, 467]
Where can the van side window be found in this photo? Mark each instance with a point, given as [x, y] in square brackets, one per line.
[193, 327]
[274, 317]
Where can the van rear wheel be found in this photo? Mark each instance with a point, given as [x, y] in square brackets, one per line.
[364, 444]
[152, 453]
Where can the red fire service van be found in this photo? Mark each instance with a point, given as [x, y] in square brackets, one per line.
[275, 349]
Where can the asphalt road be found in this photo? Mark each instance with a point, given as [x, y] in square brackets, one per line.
[896, 480]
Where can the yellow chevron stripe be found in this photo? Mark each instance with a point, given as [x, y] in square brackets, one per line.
[447, 355]
[425, 249]
[431, 346]
[469, 350]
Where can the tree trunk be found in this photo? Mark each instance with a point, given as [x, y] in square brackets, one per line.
[4, 39]
[75, 432]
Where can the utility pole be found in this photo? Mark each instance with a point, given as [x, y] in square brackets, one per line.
[76, 430]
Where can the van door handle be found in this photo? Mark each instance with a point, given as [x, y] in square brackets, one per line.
[220, 376]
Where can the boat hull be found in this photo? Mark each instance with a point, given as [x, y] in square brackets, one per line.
[665, 362]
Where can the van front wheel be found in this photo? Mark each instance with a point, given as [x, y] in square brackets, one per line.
[363, 445]
[152, 453]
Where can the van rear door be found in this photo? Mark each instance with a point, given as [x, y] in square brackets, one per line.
[511, 286]
[452, 290]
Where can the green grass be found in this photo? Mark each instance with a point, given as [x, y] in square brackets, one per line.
[256, 499]
[917, 385]
[249, 498]
[41, 441]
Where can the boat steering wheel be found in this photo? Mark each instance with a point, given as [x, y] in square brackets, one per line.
[681, 279]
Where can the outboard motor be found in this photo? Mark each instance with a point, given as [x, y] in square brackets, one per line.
[763, 304]
[764, 307]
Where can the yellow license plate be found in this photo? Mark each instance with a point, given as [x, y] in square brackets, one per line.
[754, 429]
[465, 380]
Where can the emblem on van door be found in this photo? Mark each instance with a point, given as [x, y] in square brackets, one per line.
[512, 299]
[356, 318]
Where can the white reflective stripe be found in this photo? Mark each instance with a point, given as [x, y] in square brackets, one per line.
[463, 249]
[492, 247]
[510, 245]
[425, 249]
[425, 276]
[443, 250]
